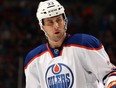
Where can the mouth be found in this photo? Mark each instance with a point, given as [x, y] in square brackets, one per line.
[56, 32]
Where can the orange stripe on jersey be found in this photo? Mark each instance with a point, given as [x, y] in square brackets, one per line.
[85, 47]
[112, 74]
[49, 51]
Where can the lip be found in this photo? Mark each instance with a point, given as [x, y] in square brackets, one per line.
[56, 32]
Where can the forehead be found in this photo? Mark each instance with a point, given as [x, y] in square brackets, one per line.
[53, 18]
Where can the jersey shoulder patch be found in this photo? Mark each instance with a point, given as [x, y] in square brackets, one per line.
[84, 40]
[36, 51]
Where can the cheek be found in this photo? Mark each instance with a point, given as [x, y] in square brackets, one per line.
[47, 29]
[63, 23]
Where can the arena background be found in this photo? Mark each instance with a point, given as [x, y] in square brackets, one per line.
[20, 32]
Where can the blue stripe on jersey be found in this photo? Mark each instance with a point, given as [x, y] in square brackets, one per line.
[34, 52]
[85, 40]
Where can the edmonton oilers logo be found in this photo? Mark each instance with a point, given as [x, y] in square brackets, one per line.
[59, 76]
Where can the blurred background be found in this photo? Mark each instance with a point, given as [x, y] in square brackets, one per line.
[20, 32]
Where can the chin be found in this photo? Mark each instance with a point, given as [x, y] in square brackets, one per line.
[57, 40]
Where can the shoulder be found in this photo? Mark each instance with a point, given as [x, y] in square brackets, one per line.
[84, 40]
[36, 51]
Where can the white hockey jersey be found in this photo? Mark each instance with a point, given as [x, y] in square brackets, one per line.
[81, 62]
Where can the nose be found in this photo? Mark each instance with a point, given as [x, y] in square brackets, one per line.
[56, 25]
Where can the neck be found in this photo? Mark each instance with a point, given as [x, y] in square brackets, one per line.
[54, 44]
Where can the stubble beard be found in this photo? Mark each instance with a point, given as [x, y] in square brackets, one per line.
[57, 37]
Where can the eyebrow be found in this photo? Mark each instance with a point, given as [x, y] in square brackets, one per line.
[57, 17]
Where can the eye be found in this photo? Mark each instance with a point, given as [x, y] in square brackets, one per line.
[59, 20]
[49, 23]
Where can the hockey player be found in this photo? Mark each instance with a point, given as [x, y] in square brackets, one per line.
[66, 61]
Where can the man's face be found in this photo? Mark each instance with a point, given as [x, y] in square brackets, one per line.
[54, 27]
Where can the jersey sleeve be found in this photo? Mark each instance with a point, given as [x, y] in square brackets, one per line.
[95, 60]
[32, 80]
[32, 74]
[30, 69]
